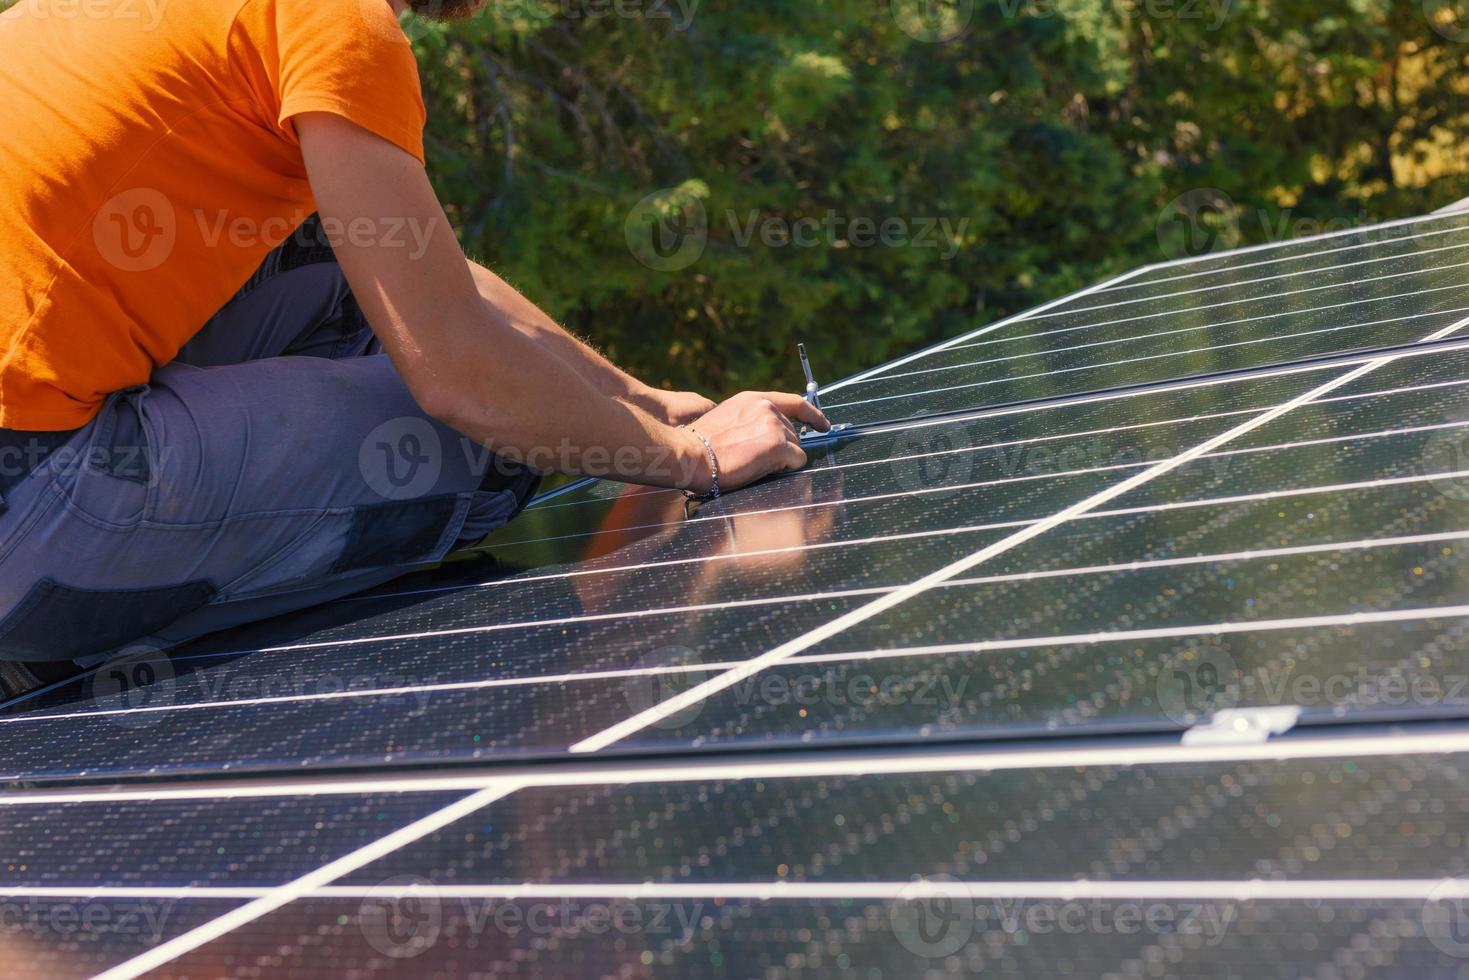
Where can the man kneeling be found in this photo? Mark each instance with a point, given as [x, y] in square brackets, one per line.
[232, 383]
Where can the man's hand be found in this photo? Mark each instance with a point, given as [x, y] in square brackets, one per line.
[752, 436]
[468, 362]
[672, 407]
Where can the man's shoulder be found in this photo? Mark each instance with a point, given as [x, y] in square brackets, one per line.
[370, 22]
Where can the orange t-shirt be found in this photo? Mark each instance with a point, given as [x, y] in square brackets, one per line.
[150, 165]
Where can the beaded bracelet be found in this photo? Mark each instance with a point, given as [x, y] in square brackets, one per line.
[713, 492]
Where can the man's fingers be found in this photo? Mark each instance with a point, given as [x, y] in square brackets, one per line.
[793, 457]
[798, 408]
[755, 434]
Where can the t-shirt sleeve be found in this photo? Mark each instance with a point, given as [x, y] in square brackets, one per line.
[346, 57]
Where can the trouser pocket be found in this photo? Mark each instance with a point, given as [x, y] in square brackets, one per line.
[110, 475]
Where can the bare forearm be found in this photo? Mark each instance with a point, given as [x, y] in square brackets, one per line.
[533, 407]
[531, 321]
[497, 369]
[503, 302]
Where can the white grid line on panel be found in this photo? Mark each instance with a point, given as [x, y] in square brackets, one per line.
[1121, 280]
[1273, 338]
[791, 648]
[967, 386]
[952, 341]
[958, 420]
[1254, 282]
[998, 482]
[976, 528]
[1418, 219]
[1096, 636]
[274, 898]
[1123, 287]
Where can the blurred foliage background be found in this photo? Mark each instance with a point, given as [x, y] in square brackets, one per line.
[1061, 141]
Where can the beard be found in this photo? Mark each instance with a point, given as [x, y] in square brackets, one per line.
[445, 10]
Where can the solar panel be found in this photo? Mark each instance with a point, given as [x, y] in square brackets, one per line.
[1139, 333]
[1148, 602]
[60, 937]
[247, 842]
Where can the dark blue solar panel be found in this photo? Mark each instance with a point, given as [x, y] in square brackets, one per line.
[1315, 562]
[66, 938]
[687, 597]
[1356, 245]
[1313, 823]
[1125, 336]
[854, 938]
[253, 841]
[1064, 823]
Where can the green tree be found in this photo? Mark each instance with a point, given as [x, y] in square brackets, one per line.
[1048, 134]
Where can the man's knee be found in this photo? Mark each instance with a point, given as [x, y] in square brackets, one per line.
[503, 494]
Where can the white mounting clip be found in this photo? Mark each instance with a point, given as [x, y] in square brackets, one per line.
[1243, 726]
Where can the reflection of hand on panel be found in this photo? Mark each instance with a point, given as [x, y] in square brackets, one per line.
[777, 542]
